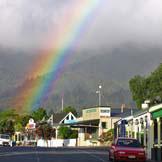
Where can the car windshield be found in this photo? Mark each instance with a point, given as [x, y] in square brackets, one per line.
[5, 137]
[128, 143]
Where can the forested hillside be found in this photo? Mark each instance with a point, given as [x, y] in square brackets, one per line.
[79, 82]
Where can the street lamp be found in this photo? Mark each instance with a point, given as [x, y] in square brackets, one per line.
[99, 94]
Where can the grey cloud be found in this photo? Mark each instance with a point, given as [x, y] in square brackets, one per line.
[29, 23]
[135, 21]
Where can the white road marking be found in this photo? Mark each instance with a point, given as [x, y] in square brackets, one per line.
[90, 154]
[50, 152]
[38, 159]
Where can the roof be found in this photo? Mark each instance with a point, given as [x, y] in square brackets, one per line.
[155, 107]
[140, 112]
[96, 107]
[115, 112]
[127, 113]
[59, 116]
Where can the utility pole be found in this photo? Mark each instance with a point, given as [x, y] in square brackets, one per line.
[62, 103]
[99, 95]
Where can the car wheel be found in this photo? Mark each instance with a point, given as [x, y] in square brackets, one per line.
[110, 159]
[114, 160]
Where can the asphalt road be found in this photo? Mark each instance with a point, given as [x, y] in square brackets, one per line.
[34, 154]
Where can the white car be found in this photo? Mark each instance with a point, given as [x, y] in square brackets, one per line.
[5, 140]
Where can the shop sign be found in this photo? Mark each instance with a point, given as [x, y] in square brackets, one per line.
[91, 110]
[31, 124]
[105, 112]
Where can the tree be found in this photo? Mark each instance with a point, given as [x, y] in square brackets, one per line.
[45, 131]
[39, 114]
[64, 132]
[107, 136]
[67, 133]
[147, 88]
[8, 114]
[18, 127]
[23, 119]
[138, 89]
[7, 120]
[70, 109]
[155, 84]
[7, 127]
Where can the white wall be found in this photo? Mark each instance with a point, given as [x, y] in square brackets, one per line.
[57, 143]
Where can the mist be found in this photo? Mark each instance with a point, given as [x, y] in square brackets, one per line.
[30, 24]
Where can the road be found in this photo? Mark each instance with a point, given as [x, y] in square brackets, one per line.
[34, 154]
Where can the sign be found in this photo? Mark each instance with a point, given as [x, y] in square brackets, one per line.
[105, 112]
[70, 121]
[31, 124]
[91, 110]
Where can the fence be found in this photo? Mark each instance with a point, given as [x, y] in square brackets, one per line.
[57, 143]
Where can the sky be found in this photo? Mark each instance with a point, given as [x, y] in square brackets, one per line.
[31, 23]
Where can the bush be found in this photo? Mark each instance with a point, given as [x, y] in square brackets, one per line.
[107, 136]
[67, 133]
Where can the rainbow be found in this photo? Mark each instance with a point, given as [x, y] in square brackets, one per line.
[53, 62]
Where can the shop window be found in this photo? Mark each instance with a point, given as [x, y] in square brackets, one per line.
[104, 126]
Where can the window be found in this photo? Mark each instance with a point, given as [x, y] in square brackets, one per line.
[5, 136]
[105, 111]
[104, 125]
[128, 143]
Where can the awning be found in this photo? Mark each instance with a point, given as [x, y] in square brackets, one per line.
[85, 124]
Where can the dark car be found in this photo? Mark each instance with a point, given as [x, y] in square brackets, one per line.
[127, 149]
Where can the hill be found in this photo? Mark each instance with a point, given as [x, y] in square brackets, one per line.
[80, 80]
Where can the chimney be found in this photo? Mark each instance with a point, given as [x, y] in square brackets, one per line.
[123, 107]
[131, 112]
[145, 105]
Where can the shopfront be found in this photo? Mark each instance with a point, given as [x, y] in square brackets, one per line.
[156, 149]
[94, 122]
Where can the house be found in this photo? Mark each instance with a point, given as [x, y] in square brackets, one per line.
[121, 126]
[58, 119]
[146, 126]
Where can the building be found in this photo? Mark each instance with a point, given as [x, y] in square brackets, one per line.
[156, 132]
[122, 125]
[28, 136]
[58, 119]
[94, 122]
[146, 126]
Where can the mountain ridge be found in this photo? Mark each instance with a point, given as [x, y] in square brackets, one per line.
[79, 81]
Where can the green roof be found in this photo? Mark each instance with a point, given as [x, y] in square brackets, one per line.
[157, 114]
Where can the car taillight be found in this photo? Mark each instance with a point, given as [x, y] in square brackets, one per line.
[141, 153]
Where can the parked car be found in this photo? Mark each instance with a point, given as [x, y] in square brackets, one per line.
[5, 140]
[127, 149]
